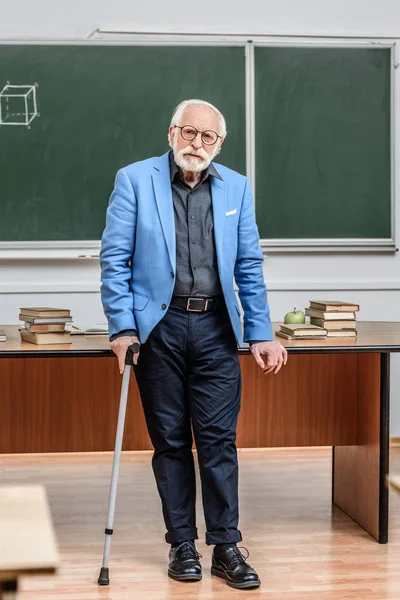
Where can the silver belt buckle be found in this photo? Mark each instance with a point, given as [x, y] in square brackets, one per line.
[196, 309]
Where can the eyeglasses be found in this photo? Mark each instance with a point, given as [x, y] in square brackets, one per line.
[189, 133]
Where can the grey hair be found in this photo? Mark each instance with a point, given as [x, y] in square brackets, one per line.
[178, 112]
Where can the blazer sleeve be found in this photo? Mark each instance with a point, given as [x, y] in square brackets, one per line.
[117, 247]
[249, 276]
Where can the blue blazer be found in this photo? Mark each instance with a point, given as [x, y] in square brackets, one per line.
[138, 259]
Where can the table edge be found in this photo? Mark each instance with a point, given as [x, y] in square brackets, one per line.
[106, 353]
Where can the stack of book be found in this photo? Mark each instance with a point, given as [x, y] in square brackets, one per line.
[301, 331]
[338, 318]
[45, 325]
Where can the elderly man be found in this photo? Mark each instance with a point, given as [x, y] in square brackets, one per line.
[179, 229]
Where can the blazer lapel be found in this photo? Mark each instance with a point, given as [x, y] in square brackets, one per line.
[163, 195]
[218, 203]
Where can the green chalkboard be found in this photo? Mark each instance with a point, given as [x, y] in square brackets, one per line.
[323, 142]
[99, 107]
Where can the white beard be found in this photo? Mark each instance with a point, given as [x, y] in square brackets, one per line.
[189, 163]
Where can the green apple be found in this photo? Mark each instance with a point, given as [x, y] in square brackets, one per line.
[297, 316]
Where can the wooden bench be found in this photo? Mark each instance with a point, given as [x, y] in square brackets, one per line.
[27, 540]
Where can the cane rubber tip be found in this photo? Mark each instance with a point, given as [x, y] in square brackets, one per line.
[104, 576]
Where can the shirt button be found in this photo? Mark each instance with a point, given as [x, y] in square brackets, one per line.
[193, 242]
[192, 217]
[163, 306]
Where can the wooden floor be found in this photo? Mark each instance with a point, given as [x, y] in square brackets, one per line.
[300, 546]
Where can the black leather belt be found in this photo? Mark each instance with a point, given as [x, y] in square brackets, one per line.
[194, 304]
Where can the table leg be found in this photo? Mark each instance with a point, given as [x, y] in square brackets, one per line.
[359, 472]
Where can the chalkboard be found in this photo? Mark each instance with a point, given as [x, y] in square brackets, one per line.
[72, 115]
[96, 108]
[323, 142]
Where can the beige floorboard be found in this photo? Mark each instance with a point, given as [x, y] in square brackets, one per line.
[301, 546]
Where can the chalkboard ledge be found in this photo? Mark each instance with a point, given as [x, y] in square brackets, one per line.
[49, 250]
[328, 245]
[89, 249]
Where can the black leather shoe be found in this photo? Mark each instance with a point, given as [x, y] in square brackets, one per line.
[184, 564]
[230, 564]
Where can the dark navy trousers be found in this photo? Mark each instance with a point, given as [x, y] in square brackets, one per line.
[189, 377]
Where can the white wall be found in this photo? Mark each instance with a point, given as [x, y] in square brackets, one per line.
[371, 279]
[77, 18]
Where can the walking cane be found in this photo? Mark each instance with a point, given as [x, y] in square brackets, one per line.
[104, 578]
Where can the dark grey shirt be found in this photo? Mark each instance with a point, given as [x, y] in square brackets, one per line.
[196, 259]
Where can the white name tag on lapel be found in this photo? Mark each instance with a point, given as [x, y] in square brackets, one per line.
[231, 212]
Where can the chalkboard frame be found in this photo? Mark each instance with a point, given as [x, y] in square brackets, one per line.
[90, 248]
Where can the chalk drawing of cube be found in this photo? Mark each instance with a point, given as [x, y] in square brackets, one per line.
[18, 104]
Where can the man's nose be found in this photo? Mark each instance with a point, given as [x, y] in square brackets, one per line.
[197, 142]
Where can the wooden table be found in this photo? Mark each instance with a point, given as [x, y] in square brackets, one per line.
[27, 541]
[332, 392]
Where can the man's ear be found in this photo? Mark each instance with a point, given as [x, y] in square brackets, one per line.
[171, 133]
[220, 146]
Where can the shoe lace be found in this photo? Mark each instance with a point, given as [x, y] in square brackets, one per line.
[239, 557]
[188, 550]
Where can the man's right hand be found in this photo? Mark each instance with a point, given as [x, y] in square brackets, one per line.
[120, 347]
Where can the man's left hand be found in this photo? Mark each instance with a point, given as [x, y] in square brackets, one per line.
[270, 356]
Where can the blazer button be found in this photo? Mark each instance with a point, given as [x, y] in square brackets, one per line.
[163, 306]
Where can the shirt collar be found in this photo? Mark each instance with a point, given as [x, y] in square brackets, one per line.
[174, 169]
